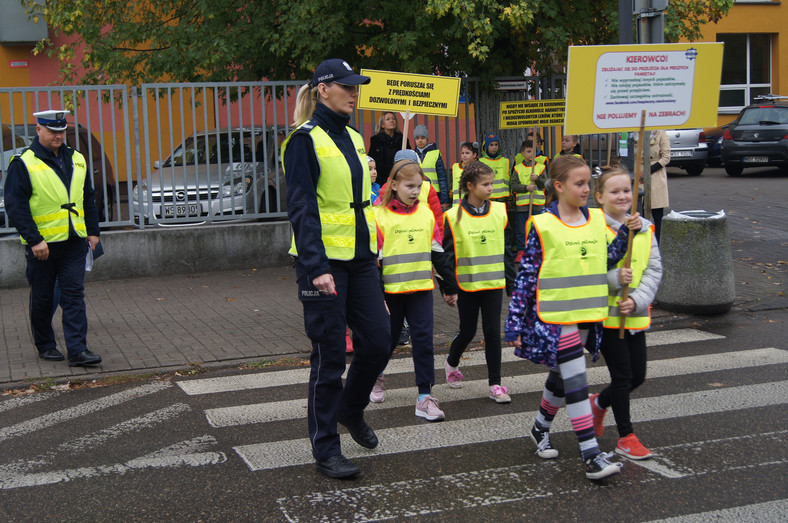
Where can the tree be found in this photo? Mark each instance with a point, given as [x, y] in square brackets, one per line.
[224, 40]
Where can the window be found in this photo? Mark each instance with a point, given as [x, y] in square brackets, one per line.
[746, 69]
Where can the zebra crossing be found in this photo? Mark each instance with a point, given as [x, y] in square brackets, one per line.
[255, 422]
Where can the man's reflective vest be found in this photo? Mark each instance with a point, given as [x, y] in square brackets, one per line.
[335, 195]
[54, 207]
[407, 248]
[572, 285]
[641, 252]
[478, 247]
[500, 167]
[429, 168]
[456, 174]
[524, 172]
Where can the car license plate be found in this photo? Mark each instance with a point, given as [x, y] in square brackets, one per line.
[756, 159]
[191, 209]
[680, 154]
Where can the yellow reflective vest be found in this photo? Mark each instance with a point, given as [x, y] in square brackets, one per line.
[51, 198]
[407, 248]
[524, 172]
[429, 167]
[478, 247]
[456, 174]
[335, 195]
[641, 252]
[572, 284]
[500, 167]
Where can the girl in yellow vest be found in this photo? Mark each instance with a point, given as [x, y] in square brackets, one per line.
[407, 237]
[469, 152]
[626, 359]
[561, 289]
[474, 241]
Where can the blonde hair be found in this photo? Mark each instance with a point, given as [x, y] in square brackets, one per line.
[306, 100]
[401, 169]
[607, 173]
[559, 172]
[379, 126]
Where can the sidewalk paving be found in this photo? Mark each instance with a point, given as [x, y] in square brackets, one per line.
[223, 318]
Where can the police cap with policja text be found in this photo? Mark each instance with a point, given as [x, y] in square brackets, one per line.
[53, 119]
[339, 71]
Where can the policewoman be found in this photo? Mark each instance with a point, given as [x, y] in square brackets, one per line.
[50, 200]
[335, 248]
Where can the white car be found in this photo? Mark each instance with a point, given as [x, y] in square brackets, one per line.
[229, 172]
[688, 150]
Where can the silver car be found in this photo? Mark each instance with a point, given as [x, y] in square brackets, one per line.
[230, 173]
[688, 150]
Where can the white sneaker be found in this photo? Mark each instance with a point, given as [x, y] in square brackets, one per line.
[378, 394]
[500, 394]
[453, 377]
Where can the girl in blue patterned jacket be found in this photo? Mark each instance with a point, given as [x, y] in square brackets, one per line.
[561, 292]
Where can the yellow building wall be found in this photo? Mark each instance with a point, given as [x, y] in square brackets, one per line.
[765, 17]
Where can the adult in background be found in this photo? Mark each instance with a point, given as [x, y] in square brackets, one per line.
[335, 245]
[50, 200]
[659, 158]
[385, 143]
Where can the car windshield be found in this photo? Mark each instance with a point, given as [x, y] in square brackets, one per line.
[764, 115]
[202, 150]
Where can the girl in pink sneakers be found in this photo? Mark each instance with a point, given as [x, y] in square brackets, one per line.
[474, 238]
[626, 358]
[559, 303]
[407, 237]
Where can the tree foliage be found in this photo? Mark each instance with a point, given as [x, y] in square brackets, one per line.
[134, 41]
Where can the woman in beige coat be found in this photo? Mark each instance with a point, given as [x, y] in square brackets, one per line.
[659, 159]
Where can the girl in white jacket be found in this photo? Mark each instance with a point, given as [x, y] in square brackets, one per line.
[626, 358]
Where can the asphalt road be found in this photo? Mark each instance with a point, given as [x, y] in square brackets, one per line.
[230, 445]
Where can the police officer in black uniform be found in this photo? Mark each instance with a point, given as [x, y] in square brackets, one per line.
[50, 200]
[328, 192]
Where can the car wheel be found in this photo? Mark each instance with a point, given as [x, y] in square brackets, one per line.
[733, 170]
[694, 170]
[268, 202]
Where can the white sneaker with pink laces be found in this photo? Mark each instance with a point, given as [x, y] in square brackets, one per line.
[453, 377]
[499, 394]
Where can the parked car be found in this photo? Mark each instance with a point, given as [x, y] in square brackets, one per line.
[688, 150]
[98, 163]
[758, 137]
[714, 143]
[217, 172]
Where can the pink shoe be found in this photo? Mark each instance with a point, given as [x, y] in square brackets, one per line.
[378, 394]
[599, 416]
[428, 409]
[500, 394]
[453, 377]
[348, 341]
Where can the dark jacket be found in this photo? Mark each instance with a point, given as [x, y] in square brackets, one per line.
[440, 172]
[302, 171]
[19, 189]
[382, 149]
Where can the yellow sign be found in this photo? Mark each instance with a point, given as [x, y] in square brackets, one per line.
[609, 85]
[417, 93]
[531, 113]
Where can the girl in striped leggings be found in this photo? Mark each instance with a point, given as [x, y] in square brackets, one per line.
[560, 295]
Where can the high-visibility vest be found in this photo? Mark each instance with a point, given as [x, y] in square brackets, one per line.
[428, 165]
[562, 154]
[572, 284]
[456, 174]
[478, 247]
[500, 167]
[407, 248]
[519, 158]
[51, 199]
[537, 196]
[641, 252]
[335, 195]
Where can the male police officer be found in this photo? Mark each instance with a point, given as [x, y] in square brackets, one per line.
[50, 200]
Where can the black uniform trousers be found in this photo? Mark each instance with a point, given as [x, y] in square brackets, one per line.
[416, 307]
[66, 263]
[358, 304]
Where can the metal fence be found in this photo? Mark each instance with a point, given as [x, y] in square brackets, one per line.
[190, 153]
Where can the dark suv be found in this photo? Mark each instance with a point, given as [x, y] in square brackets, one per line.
[758, 137]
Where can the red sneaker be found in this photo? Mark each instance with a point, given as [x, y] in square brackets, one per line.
[599, 416]
[348, 341]
[629, 446]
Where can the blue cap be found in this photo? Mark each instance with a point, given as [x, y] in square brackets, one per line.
[339, 71]
[490, 138]
[53, 119]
